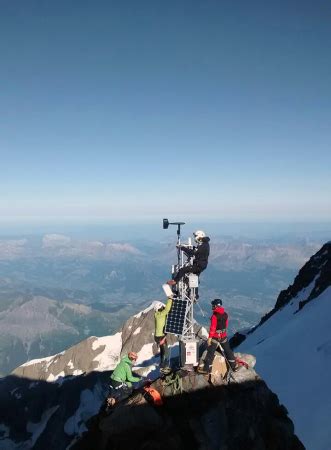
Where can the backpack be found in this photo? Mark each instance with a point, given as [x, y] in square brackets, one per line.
[221, 322]
[152, 396]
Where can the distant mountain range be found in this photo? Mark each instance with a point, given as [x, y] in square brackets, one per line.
[35, 326]
[55, 290]
[50, 402]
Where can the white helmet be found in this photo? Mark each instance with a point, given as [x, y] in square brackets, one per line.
[199, 234]
[158, 305]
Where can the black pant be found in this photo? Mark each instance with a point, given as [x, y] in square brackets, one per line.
[164, 350]
[211, 353]
[187, 269]
[120, 390]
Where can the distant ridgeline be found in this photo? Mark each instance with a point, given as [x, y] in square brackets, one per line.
[313, 278]
[56, 402]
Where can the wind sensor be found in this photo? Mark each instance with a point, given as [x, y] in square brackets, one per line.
[166, 224]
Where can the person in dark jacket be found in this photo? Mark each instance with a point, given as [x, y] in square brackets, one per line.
[200, 255]
[218, 336]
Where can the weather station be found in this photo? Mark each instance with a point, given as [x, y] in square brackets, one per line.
[180, 319]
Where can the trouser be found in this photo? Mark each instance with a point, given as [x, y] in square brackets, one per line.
[228, 353]
[187, 269]
[119, 390]
[161, 342]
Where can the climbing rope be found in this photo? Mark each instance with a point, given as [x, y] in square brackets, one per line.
[173, 381]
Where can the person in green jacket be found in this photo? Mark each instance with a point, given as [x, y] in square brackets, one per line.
[121, 379]
[160, 338]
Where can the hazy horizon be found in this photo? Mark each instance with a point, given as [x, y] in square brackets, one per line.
[153, 229]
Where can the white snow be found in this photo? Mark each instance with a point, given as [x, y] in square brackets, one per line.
[109, 357]
[47, 361]
[293, 353]
[137, 331]
[4, 430]
[36, 361]
[8, 444]
[90, 402]
[37, 428]
[70, 365]
[145, 311]
[145, 353]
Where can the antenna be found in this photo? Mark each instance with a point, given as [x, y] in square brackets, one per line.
[166, 224]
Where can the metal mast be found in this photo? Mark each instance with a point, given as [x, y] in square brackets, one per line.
[187, 286]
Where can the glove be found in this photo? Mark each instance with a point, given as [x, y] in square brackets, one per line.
[209, 342]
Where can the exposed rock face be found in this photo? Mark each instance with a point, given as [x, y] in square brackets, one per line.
[45, 403]
[64, 364]
[51, 403]
[99, 354]
[313, 278]
[317, 271]
[243, 414]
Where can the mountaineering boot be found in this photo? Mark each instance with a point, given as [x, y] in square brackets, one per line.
[233, 365]
[171, 282]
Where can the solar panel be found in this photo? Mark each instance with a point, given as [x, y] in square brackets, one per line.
[176, 317]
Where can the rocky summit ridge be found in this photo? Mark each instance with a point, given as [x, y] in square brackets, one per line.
[57, 402]
[312, 280]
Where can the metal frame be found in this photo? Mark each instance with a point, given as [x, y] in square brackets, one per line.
[188, 328]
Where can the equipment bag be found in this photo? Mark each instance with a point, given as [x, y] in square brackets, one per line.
[221, 322]
[152, 396]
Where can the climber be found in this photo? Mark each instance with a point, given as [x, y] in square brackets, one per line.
[200, 254]
[217, 337]
[121, 379]
[160, 338]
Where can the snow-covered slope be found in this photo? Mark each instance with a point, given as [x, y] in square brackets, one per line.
[293, 351]
[51, 399]
[97, 354]
[55, 396]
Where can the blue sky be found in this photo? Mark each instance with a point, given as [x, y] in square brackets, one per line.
[138, 110]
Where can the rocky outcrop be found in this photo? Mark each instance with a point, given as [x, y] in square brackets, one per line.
[76, 360]
[313, 278]
[316, 273]
[55, 396]
[233, 413]
[57, 402]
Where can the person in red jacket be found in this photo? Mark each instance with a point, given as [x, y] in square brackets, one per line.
[218, 336]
